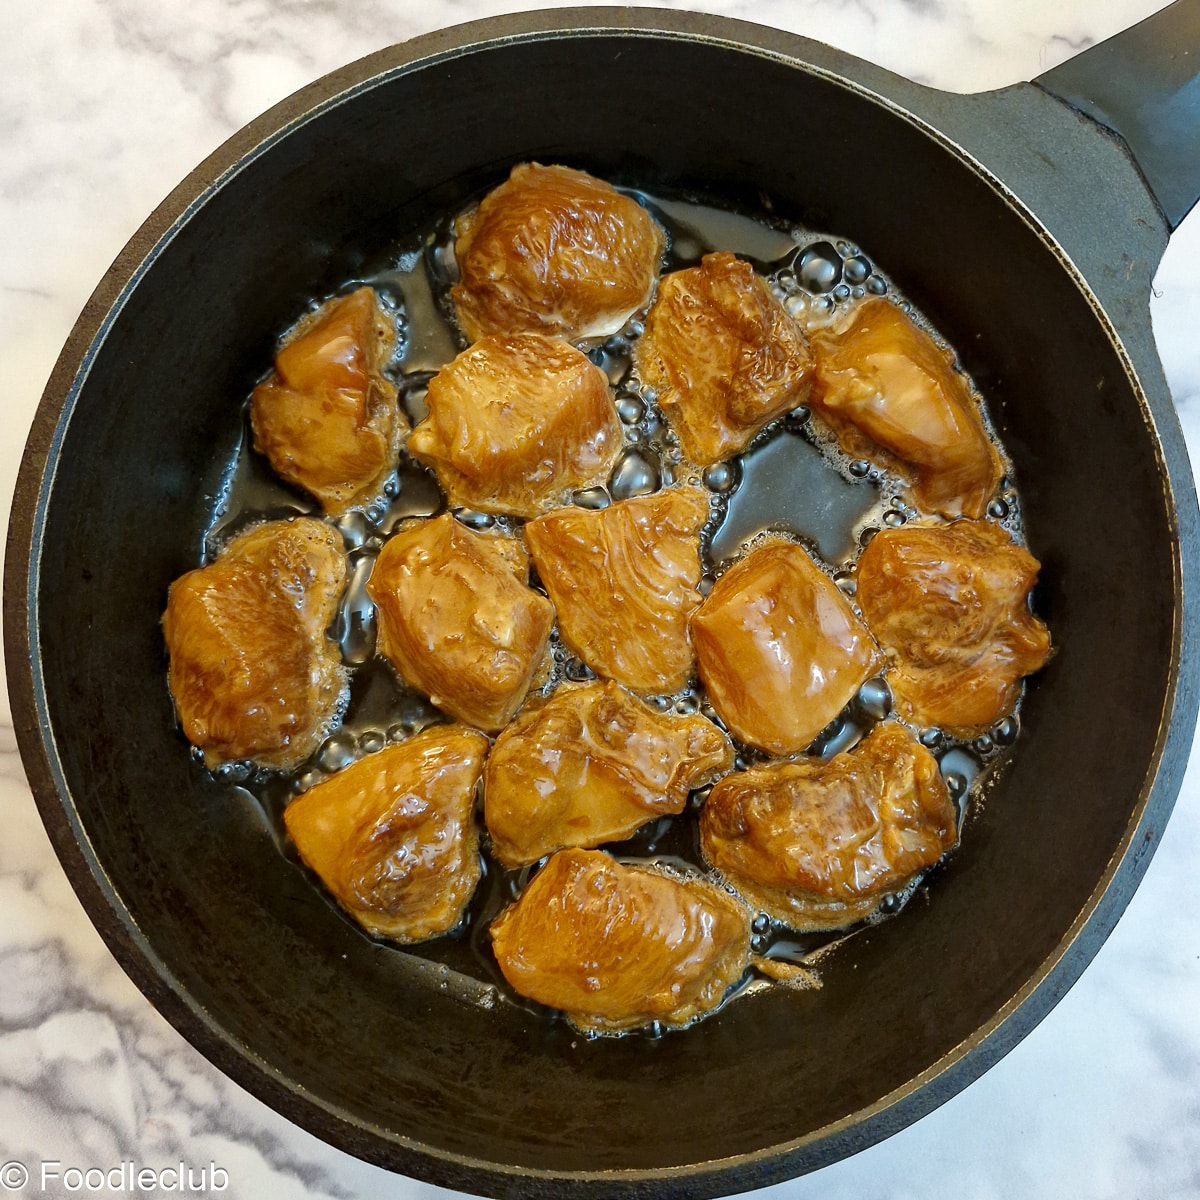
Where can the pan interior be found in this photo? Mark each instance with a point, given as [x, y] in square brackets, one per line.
[361, 1046]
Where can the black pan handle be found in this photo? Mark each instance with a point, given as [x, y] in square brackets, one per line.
[1144, 85]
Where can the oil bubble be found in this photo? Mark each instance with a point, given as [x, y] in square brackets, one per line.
[877, 286]
[875, 698]
[473, 519]
[593, 497]
[860, 468]
[998, 509]
[636, 474]
[578, 671]
[630, 408]
[723, 476]
[337, 752]
[932, 739]
[371, 742]
[841, 292]
[857, 269]
[894, 518]
[796, 305]
[820, 268]
[1005, 731]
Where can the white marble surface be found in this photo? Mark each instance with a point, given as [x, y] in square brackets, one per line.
[104, 106]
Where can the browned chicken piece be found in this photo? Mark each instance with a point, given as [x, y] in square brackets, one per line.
[617, 947]
[457, 618]
[555, 251]
[517, 423]
[393, 836]
[817, 844]
[723, 356]
[949, 604]
[591, 765]
[893, 397]
[624, 580]
[327, 419]
[252, 672]
[779, 648]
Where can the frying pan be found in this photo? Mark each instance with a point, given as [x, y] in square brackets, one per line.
[1049, 313]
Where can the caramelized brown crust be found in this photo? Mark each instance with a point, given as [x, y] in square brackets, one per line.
[457, 619]
[779, 648]
[617, 947]
[723, 356]
[949, 605]
[891, 396]
[553, 250]
[327, 419]
[393, 835]
[517, 423]
[817, 844]
[624, 581]
[252, 673]
[591, 765]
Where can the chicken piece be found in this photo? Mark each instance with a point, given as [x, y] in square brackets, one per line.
[457, 618]
[949, 604]
[591, 765]
[723, 356]
[616, 947]
[326, 418]
[779, 648]
[817, 844]
[555, 251]
[624, 580]
[393, 836]
[892, 396]
[517, 423]
[252, 672]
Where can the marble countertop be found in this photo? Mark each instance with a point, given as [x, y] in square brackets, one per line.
[104, 106]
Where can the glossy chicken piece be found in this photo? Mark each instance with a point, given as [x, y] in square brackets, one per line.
[617, 947]
[817, 844]
[591, 765]
[779, 648]
[252, 672]
[457, 618]
[555, 251]
[624, 580]
[949, 604]
[393, 835]
[891, 396]
[723, 356]
[516, 424]
[327, 419]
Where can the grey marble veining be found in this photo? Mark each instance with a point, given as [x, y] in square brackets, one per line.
[104, 106]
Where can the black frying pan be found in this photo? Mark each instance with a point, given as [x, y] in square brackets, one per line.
[1049, 313]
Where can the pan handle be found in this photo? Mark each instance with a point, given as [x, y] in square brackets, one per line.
[1144, 85]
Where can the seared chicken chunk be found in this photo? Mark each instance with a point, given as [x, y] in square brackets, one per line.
[553, 250]
[327, 419]
[723, 356]
[591, 765]
[458, 620]
[891, 396]
[617, 947]
[779, 648]
[393, 835]
[949, 604]
[517, 423]
[817, 844]
[252, 672]
[624, 580]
